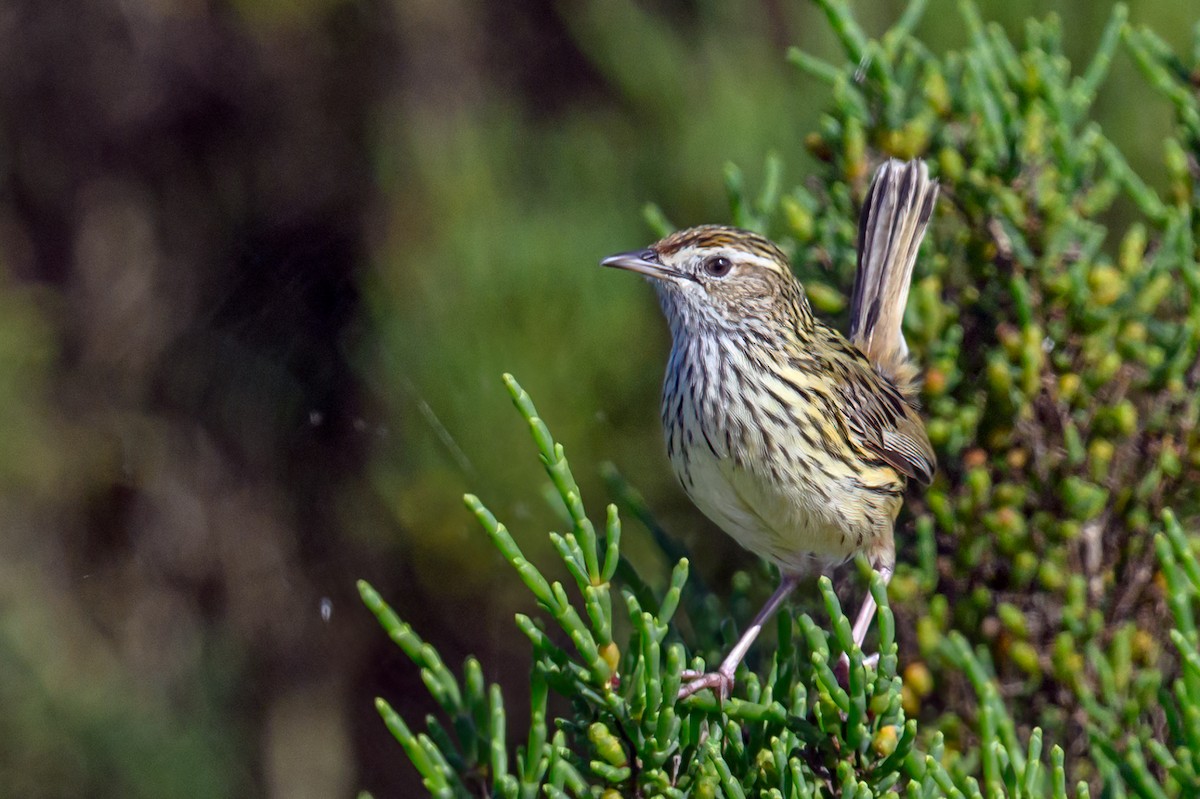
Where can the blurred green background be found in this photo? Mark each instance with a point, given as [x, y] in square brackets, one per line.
[261, 267]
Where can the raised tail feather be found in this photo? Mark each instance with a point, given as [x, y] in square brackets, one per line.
[893, 221]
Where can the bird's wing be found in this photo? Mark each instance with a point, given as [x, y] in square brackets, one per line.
[885, 423]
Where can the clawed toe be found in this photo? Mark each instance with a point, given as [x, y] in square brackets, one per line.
[695, 681]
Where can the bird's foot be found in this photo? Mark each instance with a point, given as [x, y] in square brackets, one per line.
[842, 669]
[721, 681]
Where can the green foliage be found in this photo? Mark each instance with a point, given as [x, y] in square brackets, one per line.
[1061, 395]
[796, 733]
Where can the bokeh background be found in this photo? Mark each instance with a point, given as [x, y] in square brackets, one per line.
[262, 265]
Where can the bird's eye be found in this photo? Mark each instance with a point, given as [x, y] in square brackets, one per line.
[718, 266]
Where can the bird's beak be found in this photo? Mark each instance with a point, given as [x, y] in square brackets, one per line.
[645, 262]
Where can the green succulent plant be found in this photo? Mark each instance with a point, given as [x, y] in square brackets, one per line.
[792, 731]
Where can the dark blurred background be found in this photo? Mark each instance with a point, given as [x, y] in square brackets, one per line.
[262, 264]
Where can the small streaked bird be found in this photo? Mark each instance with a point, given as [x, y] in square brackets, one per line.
[793, 439]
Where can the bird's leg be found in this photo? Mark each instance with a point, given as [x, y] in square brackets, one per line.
[722, 678]
[861, 624]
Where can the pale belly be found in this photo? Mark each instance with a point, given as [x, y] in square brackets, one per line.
[789, 525]
[803, 519]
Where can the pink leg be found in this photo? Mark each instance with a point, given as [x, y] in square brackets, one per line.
[722, 678]
[866, 614]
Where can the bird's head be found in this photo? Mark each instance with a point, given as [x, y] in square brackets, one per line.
[715, 278]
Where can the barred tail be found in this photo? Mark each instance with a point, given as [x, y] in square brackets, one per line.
[893, 221]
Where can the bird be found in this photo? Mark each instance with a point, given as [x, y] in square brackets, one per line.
[795, 440]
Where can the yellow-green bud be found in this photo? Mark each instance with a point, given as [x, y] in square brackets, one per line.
[929, 637]
[1168, 461]
[1051, 576]
[939, 431]
[918, 676]
[854, 150]
[799, 220]
[1133, 330]
[1084, 500]
[1100, 455]
[1153, 293]
[1068, 386]
[1133, 249]
[885, 740]
[1013, 619]
[1107, 284]
[999, 375]
[607, 745]
[1105, 368]
[937, 92]
[1025, 656]
[1033, 356]
[1025, 566]
[912, 140]
[1069, 529]
[1125, 417]
[1177, 167]
[979, 481]
[1145, 648]
[611, 653]
[706, 788]
[1034, 135]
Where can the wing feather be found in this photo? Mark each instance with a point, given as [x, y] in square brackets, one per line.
[885, 422]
